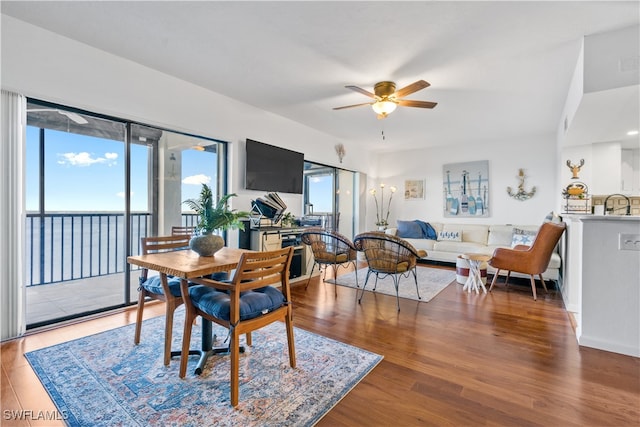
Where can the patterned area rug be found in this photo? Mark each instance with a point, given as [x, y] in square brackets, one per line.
[106, 380]
[431, 281]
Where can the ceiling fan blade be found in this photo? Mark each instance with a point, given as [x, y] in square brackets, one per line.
[362, 91]
[413, 87]
[419, 104]
[72, 116]
[351, 106]
[75, 117]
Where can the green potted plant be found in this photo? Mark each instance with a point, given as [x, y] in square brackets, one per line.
[212, 218]
[288, 219]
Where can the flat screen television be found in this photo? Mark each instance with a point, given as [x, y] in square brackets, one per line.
[273, 169]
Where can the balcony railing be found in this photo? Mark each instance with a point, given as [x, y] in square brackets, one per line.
[71, 246]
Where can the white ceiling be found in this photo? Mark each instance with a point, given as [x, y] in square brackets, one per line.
[498, 70]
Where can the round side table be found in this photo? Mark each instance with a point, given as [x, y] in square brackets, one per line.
[474, 281]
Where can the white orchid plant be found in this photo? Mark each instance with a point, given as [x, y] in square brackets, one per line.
[382, 217]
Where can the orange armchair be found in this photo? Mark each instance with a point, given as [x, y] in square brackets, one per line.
[529, 260]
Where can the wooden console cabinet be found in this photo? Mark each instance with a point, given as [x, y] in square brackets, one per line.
[271, 238]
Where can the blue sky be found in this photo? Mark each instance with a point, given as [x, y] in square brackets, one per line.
[85, 173]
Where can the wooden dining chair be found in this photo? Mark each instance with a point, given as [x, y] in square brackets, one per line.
[257, 295]
[159, 287]
[179, 230]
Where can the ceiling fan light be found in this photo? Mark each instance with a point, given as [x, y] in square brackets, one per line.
[384, 107]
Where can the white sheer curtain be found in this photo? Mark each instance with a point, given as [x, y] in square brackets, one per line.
[12, 215]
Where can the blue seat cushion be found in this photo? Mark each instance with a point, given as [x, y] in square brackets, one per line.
[153, 285]
[252, 303]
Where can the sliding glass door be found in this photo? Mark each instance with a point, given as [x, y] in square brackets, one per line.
[95, 186]
[178, 165]
[330, 197]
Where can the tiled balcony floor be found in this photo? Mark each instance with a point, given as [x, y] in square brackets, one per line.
[57, 300]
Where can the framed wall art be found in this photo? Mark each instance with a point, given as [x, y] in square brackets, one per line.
[414, 189]
[466, 189]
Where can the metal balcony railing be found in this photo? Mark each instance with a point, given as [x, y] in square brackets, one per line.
[71, 246]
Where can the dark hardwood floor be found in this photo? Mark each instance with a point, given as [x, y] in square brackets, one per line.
[460, 359]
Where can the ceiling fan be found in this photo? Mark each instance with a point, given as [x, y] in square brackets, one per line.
[71, 115]
[387, 98]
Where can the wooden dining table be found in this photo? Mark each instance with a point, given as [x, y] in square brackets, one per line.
[186, 264]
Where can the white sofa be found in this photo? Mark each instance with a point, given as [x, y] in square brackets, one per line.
[476, 238]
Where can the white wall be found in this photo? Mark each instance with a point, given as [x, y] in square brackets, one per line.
[46, 66]
[537, 157]
[609, 59]
[604, 166]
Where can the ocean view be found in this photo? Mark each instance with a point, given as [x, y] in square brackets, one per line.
[64, 246]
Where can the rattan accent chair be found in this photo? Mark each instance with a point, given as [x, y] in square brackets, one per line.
[388, 255]
[330, 248]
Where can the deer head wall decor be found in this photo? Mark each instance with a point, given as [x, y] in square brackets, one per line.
[575, 169]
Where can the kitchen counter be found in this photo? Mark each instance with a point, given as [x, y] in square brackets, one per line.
[603, 217]
[601, 281]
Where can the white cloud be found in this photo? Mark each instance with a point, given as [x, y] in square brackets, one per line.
[85, 159]
[122, 193]
[197, 179]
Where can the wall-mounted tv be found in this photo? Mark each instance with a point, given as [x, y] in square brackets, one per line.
[273, 169]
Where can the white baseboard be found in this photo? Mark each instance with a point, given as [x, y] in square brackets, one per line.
[609, 346]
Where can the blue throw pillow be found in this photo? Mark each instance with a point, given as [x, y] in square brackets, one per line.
[409, 230]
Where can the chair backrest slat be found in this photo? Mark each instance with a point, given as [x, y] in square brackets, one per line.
[178, 230]
[259, 269]
[164, 243]
[156, 244]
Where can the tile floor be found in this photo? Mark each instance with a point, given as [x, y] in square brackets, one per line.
[57, 300]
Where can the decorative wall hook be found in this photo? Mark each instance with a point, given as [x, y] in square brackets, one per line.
[340, 151]
[521, 194]
[172, 161]
[575, 169]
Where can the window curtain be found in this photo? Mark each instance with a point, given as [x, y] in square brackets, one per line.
[12, 215]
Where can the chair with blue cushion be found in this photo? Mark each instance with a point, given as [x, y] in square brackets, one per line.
[155, 288]
[258, 294]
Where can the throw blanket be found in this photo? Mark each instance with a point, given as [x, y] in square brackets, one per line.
[427, 230]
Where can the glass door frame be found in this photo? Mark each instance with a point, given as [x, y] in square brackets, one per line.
[128, 245]
[335, 173]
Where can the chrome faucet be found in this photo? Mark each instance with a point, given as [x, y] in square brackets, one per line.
[612, 209]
